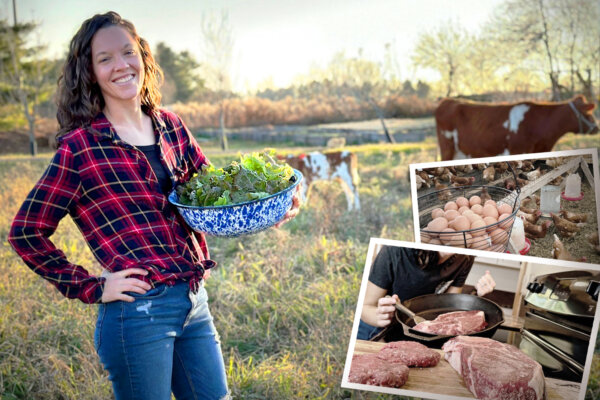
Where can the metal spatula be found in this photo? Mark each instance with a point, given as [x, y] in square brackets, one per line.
[403, 309]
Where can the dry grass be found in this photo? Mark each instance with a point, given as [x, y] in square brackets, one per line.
[283, 300]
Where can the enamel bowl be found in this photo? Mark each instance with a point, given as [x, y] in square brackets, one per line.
[238, 219]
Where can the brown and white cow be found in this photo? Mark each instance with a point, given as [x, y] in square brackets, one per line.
[468, 129]
[336, 165]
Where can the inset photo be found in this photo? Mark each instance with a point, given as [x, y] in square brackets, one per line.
[541, 205]
[464, 324]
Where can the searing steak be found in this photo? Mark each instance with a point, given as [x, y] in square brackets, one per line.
[410, 353]
[454, 323]
[368, 369]
[493, 370]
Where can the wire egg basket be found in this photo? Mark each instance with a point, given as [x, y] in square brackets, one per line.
[492, 237]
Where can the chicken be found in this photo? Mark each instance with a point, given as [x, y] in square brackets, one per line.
[460, 181]
[516, 164]
[480, 166]
[443, 195]
[531, 218]
[565, 227]
[536, 198]
[501, 167]
[554, 162]
[527, 209]
[529, 202]
[527, 165]
[556, 181]
[510, 184]
[420, 182]
[574, 217]
[533, 175]
[533, 231]
[464, 168]
[446, 176]
[522, 182]
[485, 196]
[559, 251]
[593, 240]
[425, 176]
[489, 173]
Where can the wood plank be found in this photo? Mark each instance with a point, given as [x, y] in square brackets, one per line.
[444, 380]
[588, 174]
[543, 180]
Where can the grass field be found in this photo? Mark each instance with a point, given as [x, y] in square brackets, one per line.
[283, 300]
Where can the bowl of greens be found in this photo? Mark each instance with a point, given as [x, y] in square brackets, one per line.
[247, 196]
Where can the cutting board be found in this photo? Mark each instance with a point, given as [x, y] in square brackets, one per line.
[442, 379]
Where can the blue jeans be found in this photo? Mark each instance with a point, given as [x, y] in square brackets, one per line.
[366, 331]
[163, 341]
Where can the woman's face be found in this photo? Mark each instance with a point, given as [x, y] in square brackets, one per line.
[117, 64]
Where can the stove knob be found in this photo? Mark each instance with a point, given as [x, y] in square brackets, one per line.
[593, 289]
[535, 287]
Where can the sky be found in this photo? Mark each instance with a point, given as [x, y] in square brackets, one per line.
[275, 40]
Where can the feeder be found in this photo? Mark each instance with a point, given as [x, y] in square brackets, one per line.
[573, 188]
[492, 237]
[550, 199]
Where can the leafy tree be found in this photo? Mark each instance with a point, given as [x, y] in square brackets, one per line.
[444, 50]
[25, 78]
[182, 78]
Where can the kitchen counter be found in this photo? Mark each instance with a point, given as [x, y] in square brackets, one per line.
[444, 380]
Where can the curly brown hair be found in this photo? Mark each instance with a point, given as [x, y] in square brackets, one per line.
[79, 98]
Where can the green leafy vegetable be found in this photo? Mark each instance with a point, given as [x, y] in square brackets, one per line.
[255, 176]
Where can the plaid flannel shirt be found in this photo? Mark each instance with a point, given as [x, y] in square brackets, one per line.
[110, 191]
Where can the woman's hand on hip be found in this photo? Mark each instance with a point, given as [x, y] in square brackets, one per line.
[385, 310]
[119, 282]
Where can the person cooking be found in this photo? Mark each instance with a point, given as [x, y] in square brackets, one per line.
[400, 273]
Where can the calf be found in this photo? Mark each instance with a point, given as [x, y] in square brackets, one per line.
[468, 129]
[336, 165]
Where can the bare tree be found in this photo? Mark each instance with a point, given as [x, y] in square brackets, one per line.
[217, 45]
[443, 50]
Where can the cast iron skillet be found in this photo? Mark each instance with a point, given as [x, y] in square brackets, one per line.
[429, 307]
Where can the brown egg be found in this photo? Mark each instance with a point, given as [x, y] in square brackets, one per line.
[425, 238]
[474, 200]
[460, 223]
[438, 224]
[478, 225]
[488, 223]
[451, 214]
[492, 202]
[505, 221]
[504, 209]
[463, 209]
[435, 241]
[489, 211]
[498, 248]
[447, 235]
[477, 209]
[453, 239]
[499, 236]
[437, 212]
[450, 206]
[472, 217]
[462, 202]
[482, 242]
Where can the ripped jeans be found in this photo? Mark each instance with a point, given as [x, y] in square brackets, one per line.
[163, 341]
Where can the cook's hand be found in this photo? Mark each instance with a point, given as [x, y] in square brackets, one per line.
[386, 310]
[291, 214]
[485, 285]
[118, 282]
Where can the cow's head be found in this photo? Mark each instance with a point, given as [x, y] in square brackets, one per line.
[584, 113]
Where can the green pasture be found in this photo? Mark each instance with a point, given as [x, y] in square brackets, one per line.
[283, 300]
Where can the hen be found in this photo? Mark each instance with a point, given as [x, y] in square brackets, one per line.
[565, 227]
[489, 174]
[531, 218]
[533, 231]
[574, 217]
[559, 251]
[460, 181]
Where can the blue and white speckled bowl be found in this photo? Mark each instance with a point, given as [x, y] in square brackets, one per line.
[238, 219]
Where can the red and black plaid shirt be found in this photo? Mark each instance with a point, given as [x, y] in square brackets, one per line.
[109, 189]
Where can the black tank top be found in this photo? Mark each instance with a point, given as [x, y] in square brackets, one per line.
[152, 153]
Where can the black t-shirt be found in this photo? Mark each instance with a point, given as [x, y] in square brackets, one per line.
[152, 153]
[397, 270]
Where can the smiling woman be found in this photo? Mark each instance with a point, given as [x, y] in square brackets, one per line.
[118, 156]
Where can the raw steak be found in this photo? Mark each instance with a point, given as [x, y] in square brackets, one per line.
[494, 370]
[412, 354]
[454, 323]
[371, 370]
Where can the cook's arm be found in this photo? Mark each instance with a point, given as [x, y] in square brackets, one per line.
[378, 310]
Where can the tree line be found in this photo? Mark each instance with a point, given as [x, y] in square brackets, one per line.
[543, 48]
